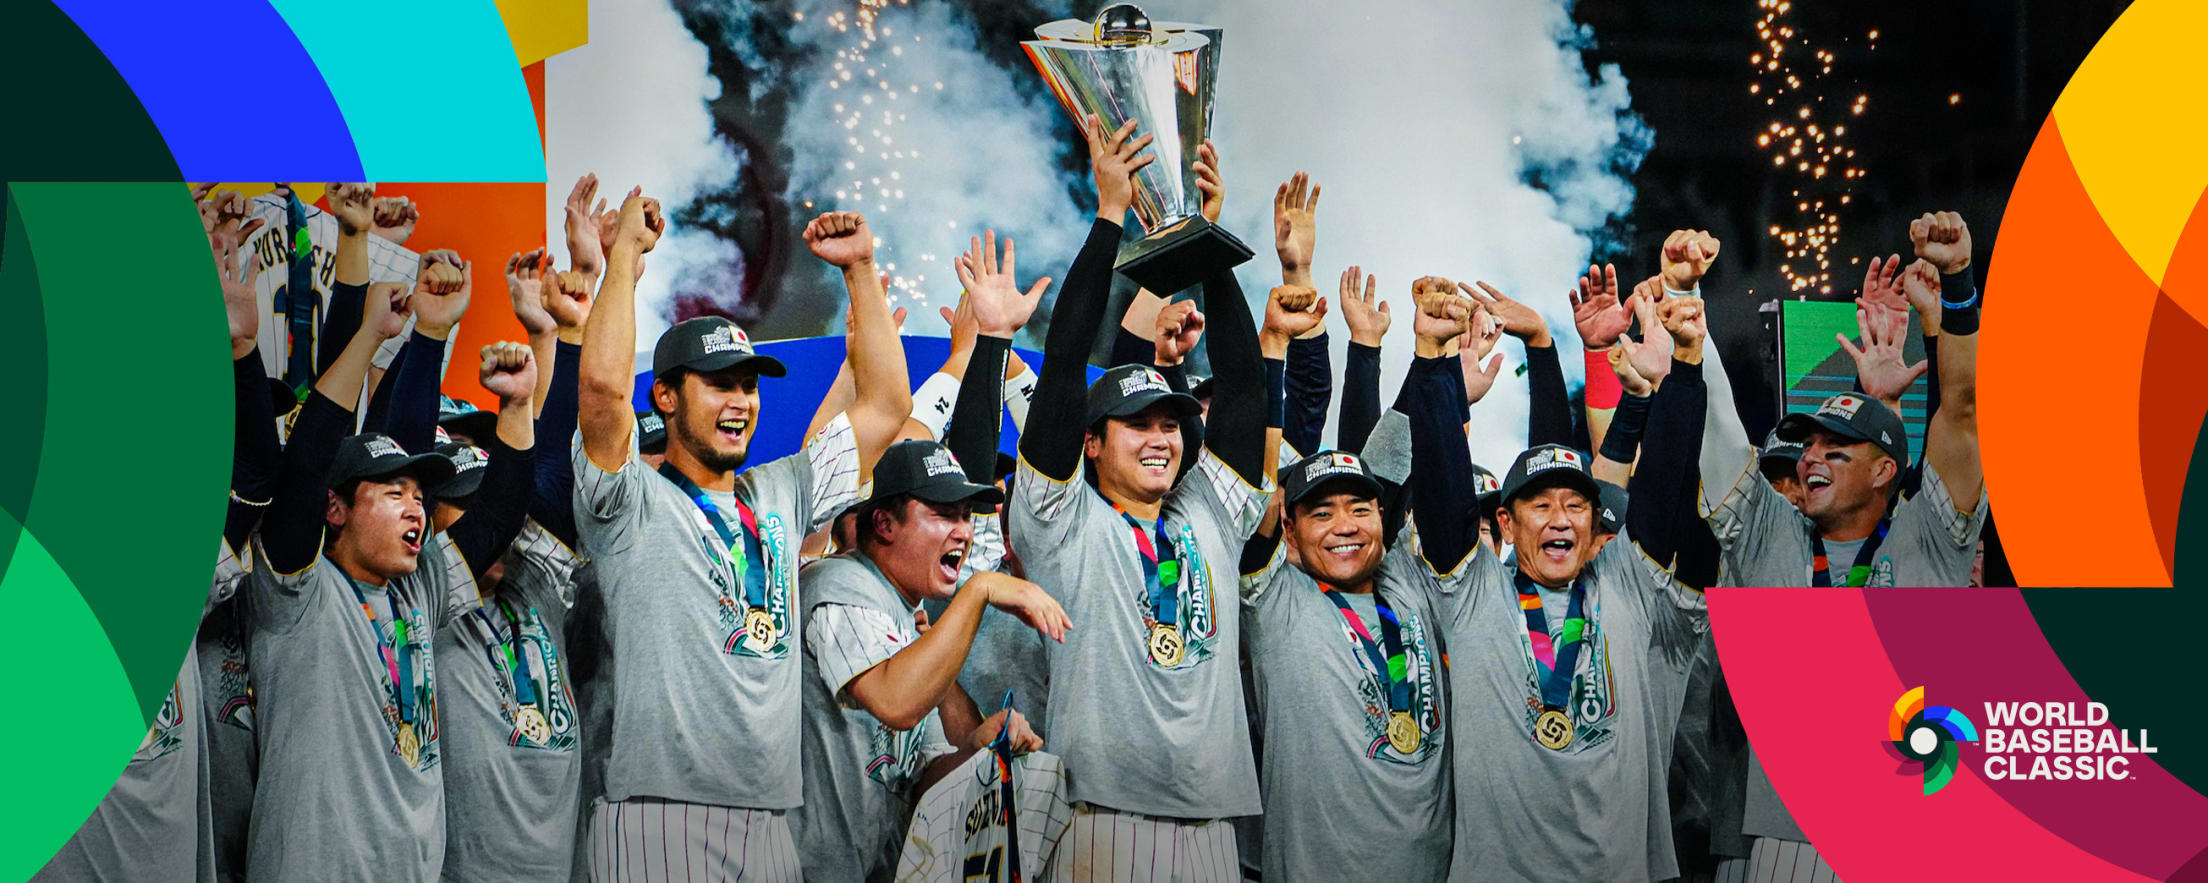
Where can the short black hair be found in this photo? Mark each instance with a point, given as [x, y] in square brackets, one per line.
[894, 504]
[673, 378]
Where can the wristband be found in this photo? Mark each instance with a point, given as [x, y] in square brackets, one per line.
[1276, 393]
[1960, 316]
[932, 403]
[1623, 440]
[1603, 386]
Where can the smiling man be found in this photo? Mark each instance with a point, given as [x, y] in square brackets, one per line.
[696, 565]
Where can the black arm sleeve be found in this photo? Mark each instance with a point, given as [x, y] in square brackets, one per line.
[256, 455]
[495, 519]
[1310, 392]
[291, 529]
[1128, 349]
[1661, 517]
[1360, 397]
[1931, 379]
[1239, 399]
[553, 504]
[1192, 431]
[412, 418]
[347, 302]
[1628, 424]
[1433, 397]
[975, 424]
[1550, 419]
[1051, 439]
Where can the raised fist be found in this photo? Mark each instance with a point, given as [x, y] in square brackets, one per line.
[525, 286]
[386, 310]
[1687, 255]
[567, 298]
[1943, 239]
[352, 204]
[509, 371]
[1292, 310]
[442, 287]
[840, 238]
[395, 217]
[1442, 315]
[1179, 326]
[640, 223]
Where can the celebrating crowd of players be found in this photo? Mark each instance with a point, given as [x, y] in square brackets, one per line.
[569, 639]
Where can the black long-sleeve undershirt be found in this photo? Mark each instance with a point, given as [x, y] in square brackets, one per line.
[1433, 398]
[1310, 392]
[1050, 441]
[553, 503]
[1549, 418]
[1129, 348]
[1239, 394]
[972, 433]
[1661, 517]
[256, 454]
[291, 529]
[1360, 397]
[339, 323]
[496, 518]
[412, 416]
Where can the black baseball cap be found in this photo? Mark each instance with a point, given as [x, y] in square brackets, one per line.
[651, 432]
[1851, 415]
[709, 343]
[1545, 466]
[1779, 453]
[457, 417]
[1132, 389]
[1489, 488]
[374, 455]
[1611, 515]
[468, 466]
[1325, 470]
[927, 470]
[1006, 465]
[1200, 387]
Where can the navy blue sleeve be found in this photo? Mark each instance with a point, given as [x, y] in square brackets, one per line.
[257, 453]
[1130, 349]
[1310, 392]
[1627, 425]
[492, 523]
[553, 503]
[347, 302]
[1661, 516]
[1360, 397]
[1433, 397]
[972, 433]
[412, 417]
[1550, 419]
[1240, 400]
[1051, 439]
[291, 529]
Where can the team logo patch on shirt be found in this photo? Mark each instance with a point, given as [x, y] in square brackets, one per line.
[1593, 703]
[896, 756]
[1842, 405]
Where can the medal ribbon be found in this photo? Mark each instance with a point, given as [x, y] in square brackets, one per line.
[1002, 748]
[1557, 665]
[299, 302]
[751, 568]
[1161, 569]
[517, 653]
[397, 662]
[1393, 670]
[1820, 573]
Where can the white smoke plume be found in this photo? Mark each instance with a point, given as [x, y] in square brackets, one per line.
[1422, 121]
[630, 105]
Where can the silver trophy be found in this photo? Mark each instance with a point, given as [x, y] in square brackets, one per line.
[1161, 74]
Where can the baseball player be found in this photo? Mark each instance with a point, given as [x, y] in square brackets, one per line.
[1157, 752]
[350, 782]
[1567, 665]
[697, 566]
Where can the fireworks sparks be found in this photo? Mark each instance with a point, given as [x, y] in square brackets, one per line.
[1806, 139]
[867, 66]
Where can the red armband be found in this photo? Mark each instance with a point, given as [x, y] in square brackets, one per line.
[1603, 388]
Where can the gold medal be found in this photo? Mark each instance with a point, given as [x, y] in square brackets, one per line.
[1403, 732]
[410, 746]
[1553, 729]
[532, 725]
[1165, 645]
[759, 628]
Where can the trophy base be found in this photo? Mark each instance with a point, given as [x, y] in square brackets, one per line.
[1182, 255]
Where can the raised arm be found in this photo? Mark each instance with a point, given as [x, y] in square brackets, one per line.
[509, 372]
[442, 287]
[353, 207]
[609, 345]
[1600, 318]
[1662, 518]
[567, 303]
[1050, 440]
[291, 529]
[881, 396]
[1951, 439]
[901, 690]
[999, 310]
[1550, 416]
[255, 456]
[1639, 366]
[1368, 321]
[1435, 400]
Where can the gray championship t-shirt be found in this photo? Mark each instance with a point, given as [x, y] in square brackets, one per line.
[336, 799]
[859, 773]
[1146, 737]
[707, 712]
[1766, 540]
[226, 712]
[1340, 797]
[1596, 809]
[511, 784]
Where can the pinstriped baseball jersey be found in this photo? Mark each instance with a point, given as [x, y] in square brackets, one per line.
[958, 828]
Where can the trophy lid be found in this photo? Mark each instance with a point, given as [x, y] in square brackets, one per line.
[1122, 24]
[1074, 30]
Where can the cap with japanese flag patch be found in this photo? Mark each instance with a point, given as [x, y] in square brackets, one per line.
[1132, 389]
[1326, 470]
[1489, 488]
[708, 344]
[1545, 466]
[1853, 416]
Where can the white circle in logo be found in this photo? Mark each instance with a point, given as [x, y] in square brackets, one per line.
[1922, 740]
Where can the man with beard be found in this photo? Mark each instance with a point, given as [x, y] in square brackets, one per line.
[696, 565]
[1157, 753]
[350, 783]
[1567, 666]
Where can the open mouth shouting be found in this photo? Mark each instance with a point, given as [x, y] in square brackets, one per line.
[1559, 549]
[413, 540]
[947, 567]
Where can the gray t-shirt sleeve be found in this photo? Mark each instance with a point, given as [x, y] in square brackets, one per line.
[454, 591]
[609, 506]
[846, 640]
[276, 600]
[1950, 531]
[1238, 506]
[1677, 614]
[1750, 513]
[1046, 513]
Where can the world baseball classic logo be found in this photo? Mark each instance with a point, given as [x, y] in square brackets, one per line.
[1928, 736]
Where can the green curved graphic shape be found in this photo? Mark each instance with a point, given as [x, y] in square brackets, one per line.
[23, 363]
[70, 738]
[130, 486]
[73, 117]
